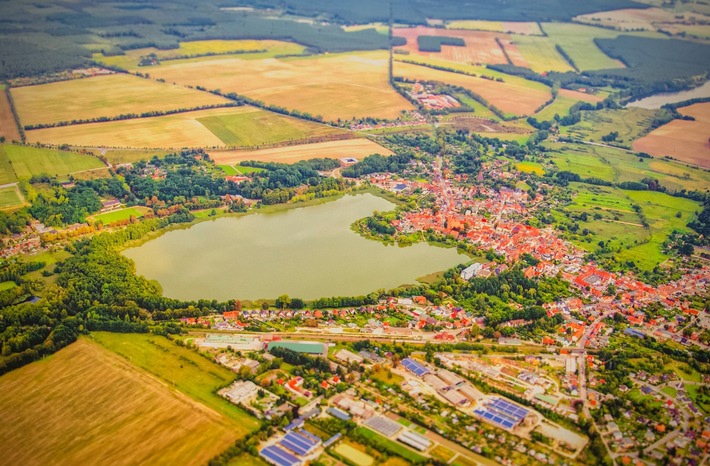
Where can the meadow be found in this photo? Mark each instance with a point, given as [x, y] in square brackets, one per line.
[249, 126]
[246, 49]
[220, 127]
[578, 41]
[683, 140]
[119, 156]
[7, 174]
[29, 161]
[628, 122]
[10, 198]
[186, 371]
[540, 54]
[514, 96]
[103, 96]
[85, 405]
[334, 86]
[356, 148]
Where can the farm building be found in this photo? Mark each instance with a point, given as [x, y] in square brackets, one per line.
[417, 441]
[307, 347]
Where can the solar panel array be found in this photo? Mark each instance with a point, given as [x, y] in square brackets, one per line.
[383, 425]
[412, 365]
[298, 443]
[279, 456]
[502, 412]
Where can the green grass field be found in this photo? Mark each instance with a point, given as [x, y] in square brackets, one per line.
[245, 459]
[628, 122]
[541, 54]
[29, 161]
[228, 170]
[7, 174]
[182, 369]
[479, 109]
[252, 127]
[118, 156]
[86, 405]
[388, 444]
[103, 96]
[9, 198]
[578, 41]
[7, 285]
[560, 107]
[115, 216]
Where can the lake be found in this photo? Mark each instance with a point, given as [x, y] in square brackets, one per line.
[308, 252]
[658, 100]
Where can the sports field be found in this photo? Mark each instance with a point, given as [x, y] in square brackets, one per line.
[357, 148]
[684, 140]
[117, 215]
[29, 161]
[8, 127]
[516, 97]
[103, 96]
[246, 49]
[510, 27]
[85, 405]
[347, 85]
[221, 127]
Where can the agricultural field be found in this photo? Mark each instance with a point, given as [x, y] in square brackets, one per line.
[683, 140]
[10, 197]
[8, 126]
[86, 405]
[119, 156]
[578, 41]
[357, 82]
[118, 215]
[220, 127]
[356, 148]
[530, 167]
[540, 54]
[649, 19]
[381, 28]
[184, 370]
[28, 161]
[508, 27]
[7, 174]
[353, 455]
[629, 123]
[103, 96]
[514, 97]
[246, 49]
[250, 127]
[481, 47]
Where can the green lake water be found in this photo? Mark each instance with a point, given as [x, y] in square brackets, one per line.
[308, 253]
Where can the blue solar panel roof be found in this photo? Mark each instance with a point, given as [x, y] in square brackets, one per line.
[279, 456]
[415, 367]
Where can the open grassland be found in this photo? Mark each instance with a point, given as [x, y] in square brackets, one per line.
[8, 126]
[516, 97]
[617, 166]
[510, 27]
[10, 198]
[118, 156]
[578, 41]
[381, 28]
[480, 47]
[560, 107]
[29, 161]
[191, 374]
[348, 85]
[7, 174]
[660, 210]
[103, 96]
[356, 148]
[684, 140]
[85, 405]
[250, 126]
[118, 215]
[629, 123]
[540, 54]
[219, 127]
[246, 49]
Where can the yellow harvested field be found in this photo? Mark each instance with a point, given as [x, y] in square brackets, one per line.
[683, 140]
[355, 148]
[348, 85]
[8, 127]
[244, 126]
[481, 47]
[103, 96]
[85, 405]
[634, 19]
[247, 49]
[517, 97]
[510, 27]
